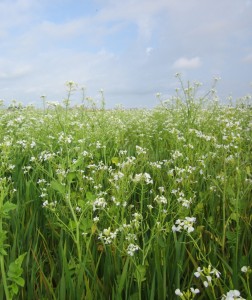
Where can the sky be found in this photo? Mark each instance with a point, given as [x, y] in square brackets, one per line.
[129, 49]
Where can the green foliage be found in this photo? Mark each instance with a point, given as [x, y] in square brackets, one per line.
[14, 275]
[126, 204]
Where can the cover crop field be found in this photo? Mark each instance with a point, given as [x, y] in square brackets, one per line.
[126, 204]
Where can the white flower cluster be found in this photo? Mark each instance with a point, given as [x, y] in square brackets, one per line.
[143, 177]
[132, 248]
[48, 204]
[232, 295]
[160, 199]
[190, 292]
[207, 275]
[181, 198]
[65, 138]
[45, 155]
[246, 269]
[176, 154]
[186, 224]
[130, 160]
[99, 203]
[107, 236]
[140, 150]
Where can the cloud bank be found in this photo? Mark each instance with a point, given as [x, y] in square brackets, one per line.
[130, 49]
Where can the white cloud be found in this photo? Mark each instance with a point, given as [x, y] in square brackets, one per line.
[13, 69]
[127, 48]
[187, 63]
[248, 58]
[148, 51]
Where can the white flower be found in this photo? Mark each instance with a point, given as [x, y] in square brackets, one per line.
[176, 228]
[195, 291]
[140, 150]
[244, 269]
[160, 199]
[198, 273]
[232, 295]
[186, 224]
[78, 209]
[99, 203]
[96, 219]
[161, 189]
[150, 207]
[178, 292]
[147, 178]
[42, 195]
[132, 249]
[33, 144]
[106, 231]
[216, 273]
[190, 229]
[45, 203]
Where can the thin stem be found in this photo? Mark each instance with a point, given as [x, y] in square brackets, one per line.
[6, 290]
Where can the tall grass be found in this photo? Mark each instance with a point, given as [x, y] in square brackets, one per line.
[126, 204]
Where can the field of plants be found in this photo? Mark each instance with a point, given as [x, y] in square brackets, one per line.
[126, 204]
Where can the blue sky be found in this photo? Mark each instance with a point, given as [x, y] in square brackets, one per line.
[130, 49]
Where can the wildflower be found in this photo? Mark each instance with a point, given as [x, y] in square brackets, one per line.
[41, 181]
[137, 177]
[122, 152]
[42, 195]
[132, 248]
[146, 177]
[150, 207]
[99, 203]
[96, 219]
[107, 235]
[195, 291]
[117, 176]
[140, 150]
[199, 272]
[131, 237]
[160, 200]
[186, 224]
[98, 145]
[33, 144]
[161, 189]
[232, 295]
[176, 154]
[178, 292]
[106, 231]
[244, 269]
[78, 209]
[186, 203]
[216, 273]
[45, 203]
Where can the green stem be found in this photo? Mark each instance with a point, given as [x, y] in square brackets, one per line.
[224, 210]
[248, 284]
[3, 273]
[6, 290]
[77, 234]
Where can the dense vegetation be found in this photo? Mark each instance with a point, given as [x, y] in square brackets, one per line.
[126, 204]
